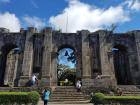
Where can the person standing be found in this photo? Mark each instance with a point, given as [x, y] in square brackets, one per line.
[78, 85]
[66, 82]
[46, 96]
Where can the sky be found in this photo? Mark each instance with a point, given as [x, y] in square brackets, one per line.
[62, 59]
[70, 15]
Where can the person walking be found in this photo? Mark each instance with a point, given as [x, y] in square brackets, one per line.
[78, 85]
[46, 96]
[34, 80]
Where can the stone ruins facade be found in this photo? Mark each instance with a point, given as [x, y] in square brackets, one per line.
[103, 58]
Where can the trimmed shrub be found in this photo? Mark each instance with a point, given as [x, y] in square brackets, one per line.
[123, 99]
[8, 98]
[34, 97]
[98, 98]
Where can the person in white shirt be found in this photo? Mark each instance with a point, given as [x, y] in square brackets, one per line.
[34, 79]
[78, 85]
[66, 82]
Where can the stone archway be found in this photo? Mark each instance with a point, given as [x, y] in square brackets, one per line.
[66, 66]
[8, 64]
[121, 65]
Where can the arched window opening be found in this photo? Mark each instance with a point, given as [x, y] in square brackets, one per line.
[66, 67]
[8, 64]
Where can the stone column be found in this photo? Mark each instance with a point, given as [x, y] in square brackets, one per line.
[46, 64]
[106, 59]
[28, 57]
[15, 70]
[113, 81]
[86, 62]
[53, 73]
[78, 65]
[103, 53]
[137, 41]
[11, 68]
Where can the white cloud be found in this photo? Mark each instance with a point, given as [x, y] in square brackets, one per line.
[133, 4]
[34, 22]
[136, 5]
[5, 1]
[9, 21]
[84, 16]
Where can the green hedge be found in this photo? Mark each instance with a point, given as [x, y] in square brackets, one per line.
[19, 97]
[100, 98]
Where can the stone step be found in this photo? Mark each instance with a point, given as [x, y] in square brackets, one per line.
[128, 87]
[65, 86]
[66, 97]
[62, 95]
[4, 89]
[138, 94]
[130, 92]
[66, 102]
[67, 94]
[69, 100]
[76, 93]
[72, 94]
[67, 90]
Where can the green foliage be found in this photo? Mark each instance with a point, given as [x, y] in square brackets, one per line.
[34, 97]
[122, 97]
[98, 98]
[8, 98]
[66, 72]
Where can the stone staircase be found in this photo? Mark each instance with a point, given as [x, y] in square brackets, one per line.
[4, 89]
[67, 95]
[127, 90]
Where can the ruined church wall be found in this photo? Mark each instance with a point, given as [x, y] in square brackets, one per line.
[9, 41]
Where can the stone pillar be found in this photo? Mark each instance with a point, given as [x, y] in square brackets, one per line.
[111, 71]
[16, 69]
[78, 65]
[28, 57]
[86, 62]
[103, 53]
[53, 73]
[137, 41]
[46, 64]
[11, 68]
[106, 59]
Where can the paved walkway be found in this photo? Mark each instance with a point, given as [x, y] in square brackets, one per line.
[51, 103]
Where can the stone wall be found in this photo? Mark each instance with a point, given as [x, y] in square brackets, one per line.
[93, 54]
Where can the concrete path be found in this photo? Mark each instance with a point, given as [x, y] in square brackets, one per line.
[52, 103]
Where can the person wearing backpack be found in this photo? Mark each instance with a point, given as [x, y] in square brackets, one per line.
[46, 96]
